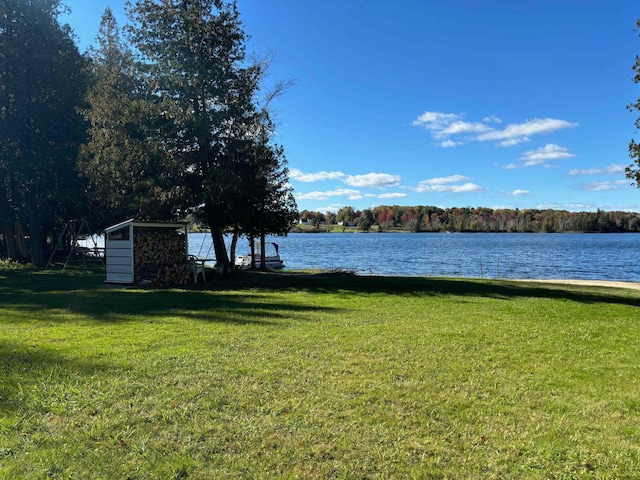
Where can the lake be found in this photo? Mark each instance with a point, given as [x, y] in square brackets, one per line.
[609, 256]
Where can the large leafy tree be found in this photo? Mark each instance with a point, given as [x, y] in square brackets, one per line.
[41, 86]
[345, 214]
[195, 67]
[366, 220]
[633, 170]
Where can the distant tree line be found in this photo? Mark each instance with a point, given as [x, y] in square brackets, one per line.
[164, 118]
[479, 219]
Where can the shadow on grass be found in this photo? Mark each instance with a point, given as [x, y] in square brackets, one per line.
[417, 286]
[79, 295]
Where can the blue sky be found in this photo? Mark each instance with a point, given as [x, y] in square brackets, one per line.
[503, 104]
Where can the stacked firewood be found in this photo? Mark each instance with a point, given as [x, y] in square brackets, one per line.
[159, 259]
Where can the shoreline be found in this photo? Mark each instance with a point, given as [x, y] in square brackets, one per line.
[556, 281]
[586, 283]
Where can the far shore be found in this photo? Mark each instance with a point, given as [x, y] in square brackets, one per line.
[339, 229]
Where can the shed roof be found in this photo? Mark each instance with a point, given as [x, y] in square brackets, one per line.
[178, 224]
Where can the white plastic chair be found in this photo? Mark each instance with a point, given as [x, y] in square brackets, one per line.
[196, 266]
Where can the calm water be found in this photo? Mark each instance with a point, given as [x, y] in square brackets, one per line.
[537, 256]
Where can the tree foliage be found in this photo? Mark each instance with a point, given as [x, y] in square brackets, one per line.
[365, 220]
[345, 215]
[130, 173]
[192, 55]
[172, 124]
[481, 219]
[42, 84]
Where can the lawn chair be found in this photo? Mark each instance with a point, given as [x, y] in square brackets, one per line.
[196, 266]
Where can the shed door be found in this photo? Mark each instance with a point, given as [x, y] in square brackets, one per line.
[119, 251]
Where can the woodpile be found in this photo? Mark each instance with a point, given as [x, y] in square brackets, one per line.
[159, 258]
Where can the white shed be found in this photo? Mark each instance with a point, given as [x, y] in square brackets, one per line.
[120, 246]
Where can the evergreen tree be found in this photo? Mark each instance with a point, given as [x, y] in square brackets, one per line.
[273, 209]
[193, 53]
[42, 84]
[366, 220]
[130, 173]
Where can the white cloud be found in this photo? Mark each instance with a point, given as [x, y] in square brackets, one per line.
[378, 180]
[522, 131]
[604, 186]
[491, 119]
[340, 192]
[435, 120]
[459, 127]
[516, 193]
[334, 207]
[613, 169]
[449, 143]
[295, 172]
[575, 207]
[444, 180]
[465, 188]
[299, 176]
[445, 125]
[392, 195]
[542, 154]
[587, 207]
[450, 184]
[513, 141]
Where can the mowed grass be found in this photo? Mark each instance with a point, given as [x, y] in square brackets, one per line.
[317, 376]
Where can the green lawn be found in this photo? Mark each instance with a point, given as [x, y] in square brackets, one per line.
[317, 376]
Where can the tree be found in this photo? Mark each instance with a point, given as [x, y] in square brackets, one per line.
[193, 53]
[330, 219]
[384, 217]
[267, 202]
[633, 170]
[42, 84]
[129, 173]
[345, 215]
[366, 220]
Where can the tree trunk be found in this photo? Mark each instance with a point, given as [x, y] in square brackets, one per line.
[252, 244]
[222, 259]
[263, 249]
[37, 255]
[234, 243]
[8, 227]
[8, 230]
[22, 246]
